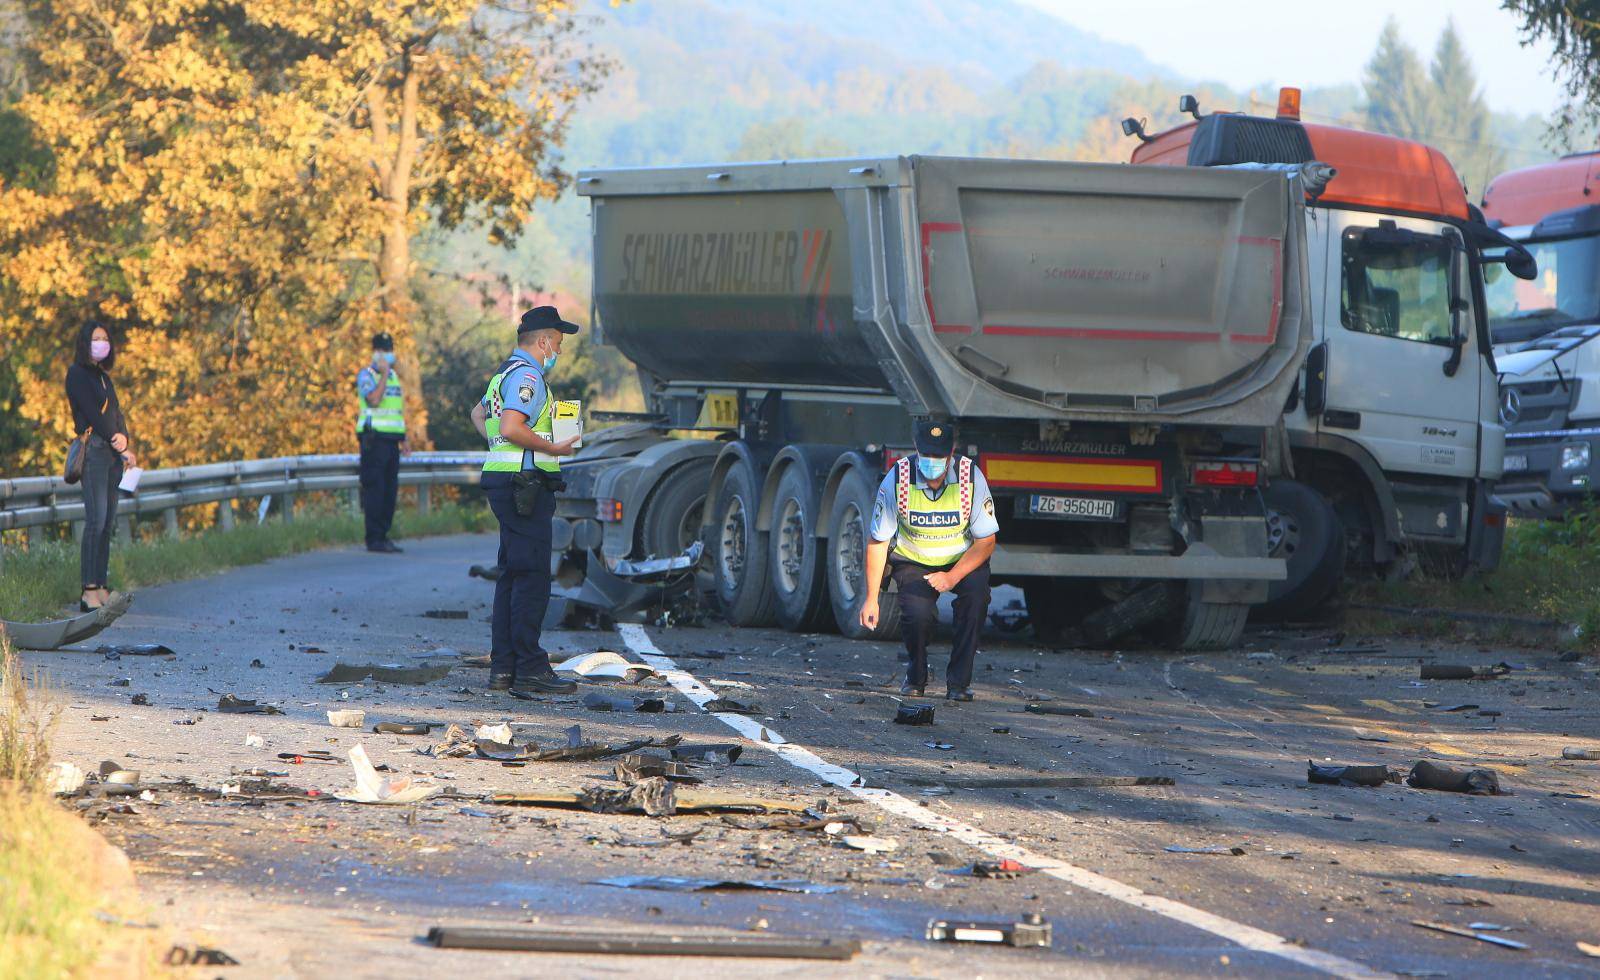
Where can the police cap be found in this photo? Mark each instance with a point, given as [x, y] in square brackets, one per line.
[934, 438]
[544, 318]
[382, 341]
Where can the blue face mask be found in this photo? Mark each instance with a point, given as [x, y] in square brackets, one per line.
[550, 362]
[931, 469]
[388, 357]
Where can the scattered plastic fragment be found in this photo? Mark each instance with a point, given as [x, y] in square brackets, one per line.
[198, 956]
[253, 741]
[1004, 869]
[602, 702]
[732, 706]
[1047, 708]
[1365, 735]
[914, 714]
[872, 845]
[1350, 775]
[719, 753]
[493, 733]
[351, 673]
[543, 940]
[644, 765]
[1032, 930]
[141, 699]
[489, 573]
[1235, 850]
[230, 705]
[347, 718]
[941, 746]
[446, 613]
[604, 664]
[1573, 752]
[1484, 937]
[1043, 782]
[667, 883]
[1460, 672]
[1432, 775]
[373, 788]
[64, 778]
[1459, 707]
[402, 727]
[1589, 949]
[136, 650]
[617, 801]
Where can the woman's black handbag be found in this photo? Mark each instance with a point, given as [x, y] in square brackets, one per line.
[77, 449]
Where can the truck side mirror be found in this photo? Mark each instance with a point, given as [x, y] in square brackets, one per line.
[1317, 379]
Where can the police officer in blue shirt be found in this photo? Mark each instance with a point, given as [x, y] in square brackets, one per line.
[933, 523]
[381, 433]
[521, 476]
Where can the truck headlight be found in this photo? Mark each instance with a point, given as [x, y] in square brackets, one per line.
[1575, 457]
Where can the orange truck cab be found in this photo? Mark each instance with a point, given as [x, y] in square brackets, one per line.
[1394, 432]
[1551, 411]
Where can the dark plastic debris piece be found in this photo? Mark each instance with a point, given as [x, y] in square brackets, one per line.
[1432, 775]
[1032, 930]
[1046, 708]
[721, 753]
[1461, 672]
[446, 613]
[914, 714]
[351, 673]
[198, 956]
[136, 650]
[1235, 850]
[1350, 775]
[230, 705]
[733, 707]
[667, 883]
[644, 944]
[403, 728]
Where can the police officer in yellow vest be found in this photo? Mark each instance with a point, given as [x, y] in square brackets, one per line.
[938, 515]
[381, 432]
[520, 477]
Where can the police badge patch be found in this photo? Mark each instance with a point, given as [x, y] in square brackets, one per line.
[988, 506]
[525, 392]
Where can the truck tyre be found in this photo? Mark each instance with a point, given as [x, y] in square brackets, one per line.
[1056, 607]
[799, 579]
[849, 521]
[1147, 605]
[739, 551]
[675, 512]
[1195, 625]
[1305, 531]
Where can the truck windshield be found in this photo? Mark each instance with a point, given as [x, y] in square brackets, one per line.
[1565, 292]
[1397, 285]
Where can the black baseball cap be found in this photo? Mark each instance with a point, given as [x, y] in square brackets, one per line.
[934, 438]
[382, 341]
[544, 318]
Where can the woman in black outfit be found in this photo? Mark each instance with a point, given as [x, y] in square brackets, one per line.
[94, 407]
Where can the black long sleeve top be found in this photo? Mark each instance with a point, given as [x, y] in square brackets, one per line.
[94, 402]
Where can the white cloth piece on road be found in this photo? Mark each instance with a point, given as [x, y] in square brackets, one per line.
[1246, 936]
[347, 718]
[373, 787]
[604, 664]
[500, 734]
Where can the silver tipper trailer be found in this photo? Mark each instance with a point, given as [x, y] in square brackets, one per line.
[1115, 346]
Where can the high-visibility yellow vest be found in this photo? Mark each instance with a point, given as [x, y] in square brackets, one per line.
[504, 455]
[933, 531]
[389, 417]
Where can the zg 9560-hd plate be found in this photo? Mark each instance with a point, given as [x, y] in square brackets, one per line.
[1061, 508]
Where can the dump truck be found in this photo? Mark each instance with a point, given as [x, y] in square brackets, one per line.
[1394, 433]
[1550, 385]
[1114, 346]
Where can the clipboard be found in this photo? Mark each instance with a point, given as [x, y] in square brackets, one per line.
[566, 421]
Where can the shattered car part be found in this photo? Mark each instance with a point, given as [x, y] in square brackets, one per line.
[230, 705]
[446, 613]
[347, 718]
[1043, 782]
[668, 883]
[1032, 930]
[659, 566]
[652, 795]
[601, 702]
[731, 706]
[1005, 869]
[60, 632]
[1432, 775]
[1461, 672]
[505, 751]
[457, 744]
[914, 714]
[660, 944]
[402, 728]
[1350, 775]
[872, 845]
[720, 753]
[64, 778]
[136, 650]
[642, 765]
[198, 956]
[584, 751]
[1045, 708]
[604, 664]
[1234, 851]
[1573, 752]
[351, 673]
[373, 788]
[1483, 937]
[685, 801]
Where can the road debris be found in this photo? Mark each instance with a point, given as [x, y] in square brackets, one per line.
[603, 702]
[1032, 930]
[254, 741]
[743, 944]
[136, 650]
[1043, 782]
[65, 778]
[402, 727]
[732, 706]
[667, 883]
[1484, 937]
[719, 753]
[352, 673]
[643, 765]
[620, 801]
[230, 705]
[493, 733]
[1234, 850]
[373, 788]
[1461, 672]
[1432, 775]
[446, 613]
[1573, 752]
[142, 700]
[1002, 870]
[1589, 949]
[58, 633]
[1365, 735]
[347, 718]
[940, 746]
[1458, 707]
[198, 956]
[872, 845]
[604, 665]
[914, 714]
[489, 573]
[1350, 775]
[308, 755]
[1048, 708]
[665, 839]
[457, 744]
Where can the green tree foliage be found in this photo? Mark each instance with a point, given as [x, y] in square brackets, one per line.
[1442, 106]
[1572, 27]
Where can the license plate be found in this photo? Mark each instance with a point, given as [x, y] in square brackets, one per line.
[1072, 508]
[1516, 464]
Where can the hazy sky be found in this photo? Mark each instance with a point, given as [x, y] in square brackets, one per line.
[1246, 43]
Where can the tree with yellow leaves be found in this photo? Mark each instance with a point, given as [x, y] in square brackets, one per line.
[234, 187]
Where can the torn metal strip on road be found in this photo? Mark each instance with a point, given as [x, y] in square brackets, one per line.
[643, 944]
[1043, 782]
[1246, 936]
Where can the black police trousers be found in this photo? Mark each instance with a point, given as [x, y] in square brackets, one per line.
[380, 484]
[522, 594]
[919, 607]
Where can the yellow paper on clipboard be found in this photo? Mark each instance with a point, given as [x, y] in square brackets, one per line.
[566, 421]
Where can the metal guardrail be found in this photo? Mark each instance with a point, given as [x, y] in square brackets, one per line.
[45, 500]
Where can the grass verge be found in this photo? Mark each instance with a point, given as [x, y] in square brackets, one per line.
[37, 584]
[1546, 571]
[59, 881]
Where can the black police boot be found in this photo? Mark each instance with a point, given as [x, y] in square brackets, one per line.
[965, 694]
[912, 690]
[542, 682]
[391, 547]
[500, 682]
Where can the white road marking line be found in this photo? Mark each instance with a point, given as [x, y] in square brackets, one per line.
[1246, 936]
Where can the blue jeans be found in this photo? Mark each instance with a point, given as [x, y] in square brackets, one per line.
[102, 471]
[522, 594]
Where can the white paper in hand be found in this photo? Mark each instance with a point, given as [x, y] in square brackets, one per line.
[130, 479]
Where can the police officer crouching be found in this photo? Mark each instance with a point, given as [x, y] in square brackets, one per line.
[381, 433]
[943, 532]
[520, 477]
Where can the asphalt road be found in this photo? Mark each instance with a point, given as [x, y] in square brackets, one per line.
[1329, 883]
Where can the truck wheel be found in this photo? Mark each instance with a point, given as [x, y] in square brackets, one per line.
[672, 517]
[1305, 531]
[848, 524]
[1197, 625]
[739, 551]
[1148, 604]
[796, 571]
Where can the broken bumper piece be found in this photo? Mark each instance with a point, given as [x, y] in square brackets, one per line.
[643, 944]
